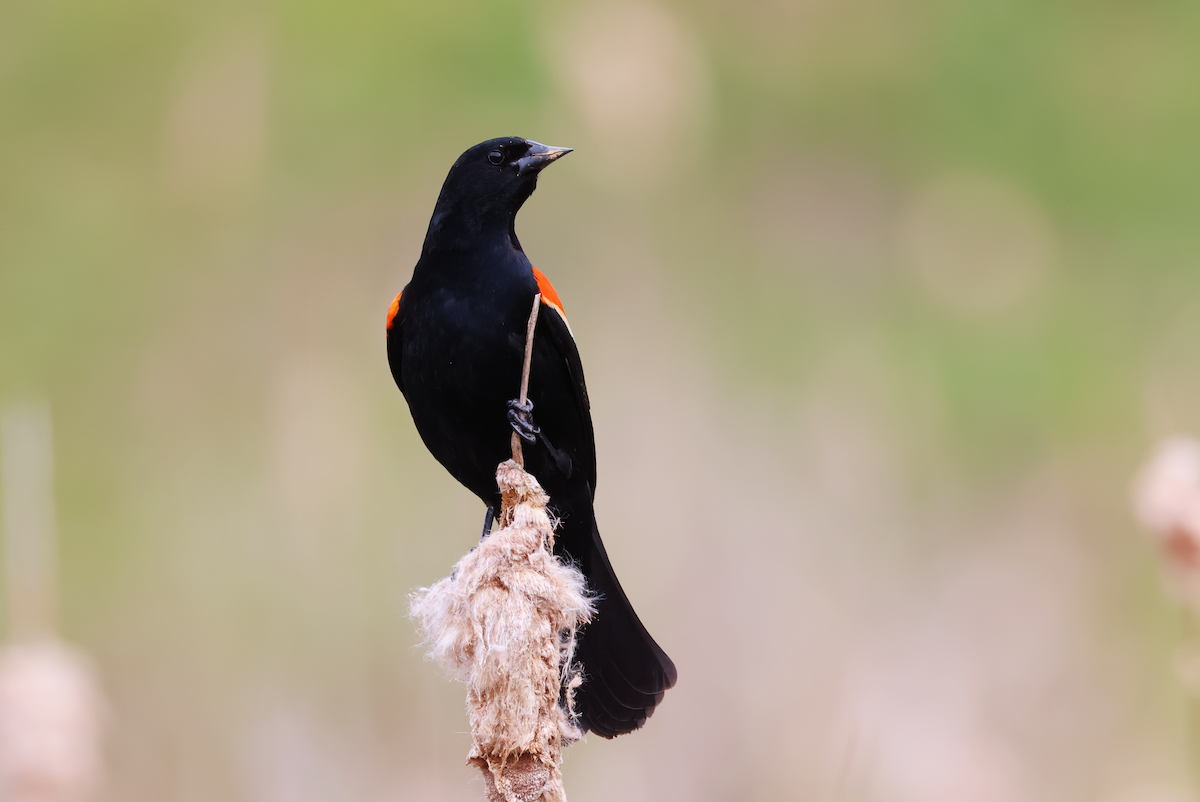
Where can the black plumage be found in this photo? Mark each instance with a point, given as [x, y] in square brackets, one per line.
[456, 336]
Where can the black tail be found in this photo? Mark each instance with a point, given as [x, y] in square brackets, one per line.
[625, 673]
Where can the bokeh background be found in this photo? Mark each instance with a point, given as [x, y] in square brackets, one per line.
[881, 302]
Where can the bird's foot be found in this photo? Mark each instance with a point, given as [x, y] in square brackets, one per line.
[487, 522]
[519, 417]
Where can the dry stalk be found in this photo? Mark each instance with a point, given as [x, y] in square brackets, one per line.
[517, 455]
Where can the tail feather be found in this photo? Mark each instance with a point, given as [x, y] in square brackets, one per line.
[625, 673]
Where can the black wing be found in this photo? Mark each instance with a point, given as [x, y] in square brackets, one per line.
[555, 331]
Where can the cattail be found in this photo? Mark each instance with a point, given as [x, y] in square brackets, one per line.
[1167, 500]
[504, 622]
[50, 719]
[50, 706]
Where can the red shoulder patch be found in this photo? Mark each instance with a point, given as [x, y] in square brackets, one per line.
[393, 309]
[549, 296]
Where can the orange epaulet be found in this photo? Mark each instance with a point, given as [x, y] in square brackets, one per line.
[393, 309]
[549, 296]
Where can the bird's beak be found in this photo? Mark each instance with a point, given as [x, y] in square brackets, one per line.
[538, 157]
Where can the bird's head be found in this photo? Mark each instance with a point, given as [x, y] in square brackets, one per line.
[487, 186]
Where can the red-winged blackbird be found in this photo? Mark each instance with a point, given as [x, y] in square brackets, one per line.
[456, 340]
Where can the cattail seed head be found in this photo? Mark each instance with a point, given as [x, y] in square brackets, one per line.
[50, 721]
[1167, 501]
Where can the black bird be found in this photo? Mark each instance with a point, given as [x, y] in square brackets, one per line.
[455, 343]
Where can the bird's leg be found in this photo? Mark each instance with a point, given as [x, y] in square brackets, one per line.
[519, 417]
[488, 517]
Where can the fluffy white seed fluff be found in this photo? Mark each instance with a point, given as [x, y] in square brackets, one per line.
[504, 623]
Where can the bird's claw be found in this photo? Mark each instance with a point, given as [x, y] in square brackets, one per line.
[520, 420]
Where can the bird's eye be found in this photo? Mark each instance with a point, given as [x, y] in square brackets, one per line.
[496, 156]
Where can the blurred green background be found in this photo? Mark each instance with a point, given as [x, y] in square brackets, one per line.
[882, 303]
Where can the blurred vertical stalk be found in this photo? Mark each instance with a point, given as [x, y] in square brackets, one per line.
[1166, 498]
[27, 509]
[51, 709]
